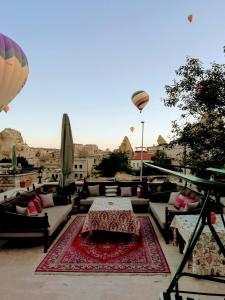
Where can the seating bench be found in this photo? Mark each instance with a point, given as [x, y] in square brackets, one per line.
[139, 203]
[45, 225]
[163, 211]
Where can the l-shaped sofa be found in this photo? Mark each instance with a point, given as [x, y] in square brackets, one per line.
[46, 224]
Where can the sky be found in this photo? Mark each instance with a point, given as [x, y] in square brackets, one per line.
[87, 57]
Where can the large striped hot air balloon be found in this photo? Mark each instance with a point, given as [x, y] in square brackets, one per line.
[13, 70]
[140, 99]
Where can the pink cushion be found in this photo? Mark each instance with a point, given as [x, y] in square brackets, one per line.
[31, 209]
[179, 202]
[38, 203]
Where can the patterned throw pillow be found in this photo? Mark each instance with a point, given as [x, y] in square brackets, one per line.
[179, 202]
[21, 210]
[31, 209]
[126, 191]
[47, 200]
[93, 190]
[38, 203]
[185, 203]
[111, 191]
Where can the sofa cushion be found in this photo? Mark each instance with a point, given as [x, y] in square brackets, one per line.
[111, 191]
[87, 201]
[47, 200]
[139, 201]
[31, 209]
[180, 202]
[93, 190]
[38, 203]
[126, 191]
[173, 196]
[158, 210]
[222, 201]
[56, 215]
[191, 205]
[21, 210]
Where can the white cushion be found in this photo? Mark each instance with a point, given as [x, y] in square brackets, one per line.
[111, 191]
[21, 210]
[47, 200]
[173, 196]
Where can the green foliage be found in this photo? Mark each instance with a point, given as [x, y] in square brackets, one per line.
[200, 95]
[115, 162]
[161, 158]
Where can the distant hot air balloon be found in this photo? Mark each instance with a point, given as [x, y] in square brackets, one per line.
[191, 18]
[13, 70]
[140, 99]
[132, 129]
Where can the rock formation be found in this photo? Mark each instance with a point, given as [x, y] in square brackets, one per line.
[161, 140]
[46, 157]
[8, 138]
[126, 147]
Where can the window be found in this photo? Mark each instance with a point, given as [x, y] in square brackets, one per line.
[75, 175]
[81, 166]
[81, 175]
[75, 166]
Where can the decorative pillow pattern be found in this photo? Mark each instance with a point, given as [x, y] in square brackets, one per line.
[38, 203]
[183, 201]
[111, 191]
[179, 202]
[126, 191]
[31, 209]
[47, 200]
[21, 210]
[93, 190]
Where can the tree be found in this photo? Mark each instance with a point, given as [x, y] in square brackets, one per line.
[161, 158]
[23, 162]
[200, 95]
[113, 163]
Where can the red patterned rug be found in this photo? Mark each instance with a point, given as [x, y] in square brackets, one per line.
[105, 252]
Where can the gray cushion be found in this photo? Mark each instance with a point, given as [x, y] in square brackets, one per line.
[56, 215]
[138, 201]
[158, 210]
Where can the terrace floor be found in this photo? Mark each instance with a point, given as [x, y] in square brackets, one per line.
[18, 280]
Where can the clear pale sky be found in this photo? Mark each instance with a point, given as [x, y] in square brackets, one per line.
[87, 57]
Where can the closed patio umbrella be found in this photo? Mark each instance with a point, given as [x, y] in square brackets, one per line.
[14, 159]
[66, 153]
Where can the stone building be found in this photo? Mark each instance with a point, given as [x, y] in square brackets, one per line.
[49, 158]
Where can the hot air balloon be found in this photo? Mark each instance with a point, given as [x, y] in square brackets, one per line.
[13, 70]
[5, 108]
[140, 99]
[191, 18]
[132, 129]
